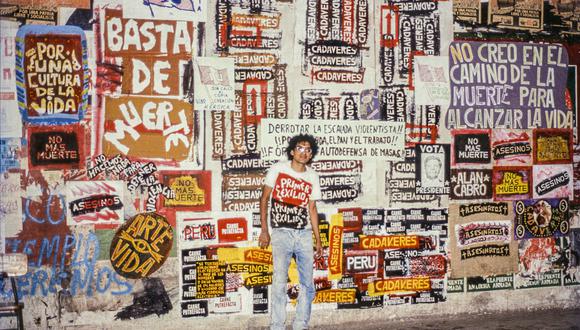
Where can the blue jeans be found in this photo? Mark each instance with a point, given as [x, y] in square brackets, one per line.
[285, 243]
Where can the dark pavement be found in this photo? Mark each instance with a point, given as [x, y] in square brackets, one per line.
[544, 319]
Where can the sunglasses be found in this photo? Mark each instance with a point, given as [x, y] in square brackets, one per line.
[303, 149]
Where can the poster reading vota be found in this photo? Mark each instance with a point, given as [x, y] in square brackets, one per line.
[432, 167]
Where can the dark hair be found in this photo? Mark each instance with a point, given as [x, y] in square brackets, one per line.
[302, 138]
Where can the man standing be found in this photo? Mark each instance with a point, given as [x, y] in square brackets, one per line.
[294, 189]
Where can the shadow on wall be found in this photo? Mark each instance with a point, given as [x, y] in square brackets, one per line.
[152, 300]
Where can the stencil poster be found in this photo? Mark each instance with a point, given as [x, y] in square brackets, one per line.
[480, 239]
[190, 10]
[214, 84]
[522, 86]
[511, 147]
[95, 202]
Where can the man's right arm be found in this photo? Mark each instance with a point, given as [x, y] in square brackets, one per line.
[264, 239]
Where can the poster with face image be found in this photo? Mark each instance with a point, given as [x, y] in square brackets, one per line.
[541, 218]
[432, 166]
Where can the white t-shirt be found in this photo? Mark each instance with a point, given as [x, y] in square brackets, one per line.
[291, 192]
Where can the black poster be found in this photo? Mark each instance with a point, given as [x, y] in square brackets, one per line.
[472, 148]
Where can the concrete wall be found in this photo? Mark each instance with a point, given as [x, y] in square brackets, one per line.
[135, 140]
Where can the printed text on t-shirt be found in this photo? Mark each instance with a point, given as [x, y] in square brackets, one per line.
[291, 190]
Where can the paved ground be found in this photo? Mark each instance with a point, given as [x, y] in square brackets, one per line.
[547, 319]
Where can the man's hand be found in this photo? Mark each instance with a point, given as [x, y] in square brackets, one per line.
[264, 239]
[318, 252]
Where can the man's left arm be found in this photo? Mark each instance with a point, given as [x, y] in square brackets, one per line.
[314, 221]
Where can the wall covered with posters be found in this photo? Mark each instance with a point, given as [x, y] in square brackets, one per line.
[135, 137]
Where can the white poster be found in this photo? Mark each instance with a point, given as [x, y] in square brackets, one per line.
[10, 205]
[214, 85]
[95, 202]
[7, 60]
[187, 10]
[2, 238]
[431, 77]
[10, 120]
[364, 139]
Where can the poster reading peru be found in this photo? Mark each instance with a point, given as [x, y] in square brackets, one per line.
[51, 73]
[481, 240]
[216, 272]
[94, 202]
[210, 228]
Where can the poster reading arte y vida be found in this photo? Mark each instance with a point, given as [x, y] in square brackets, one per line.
[52, 75]
[141, 245]
[508, 85]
